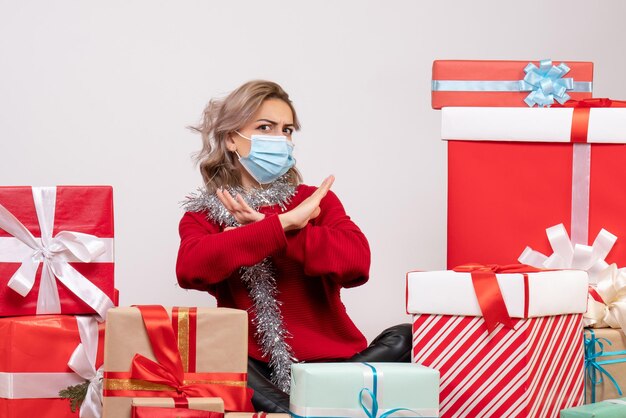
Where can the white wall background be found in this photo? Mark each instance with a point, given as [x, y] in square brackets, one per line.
[101, 92]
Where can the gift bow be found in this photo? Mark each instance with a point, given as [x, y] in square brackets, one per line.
[607, 300]
[488, 291]
[83, 363]
[568, 256]
[168, 369]
[546, 84]
[592, 365]
[54, 253]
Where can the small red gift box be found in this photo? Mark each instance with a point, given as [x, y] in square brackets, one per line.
[37, 355]
[156, 412]
[56, 250]
[177, 407]
[508, 83]
[255, 415]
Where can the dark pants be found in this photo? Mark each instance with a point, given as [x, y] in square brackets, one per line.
[392, 345]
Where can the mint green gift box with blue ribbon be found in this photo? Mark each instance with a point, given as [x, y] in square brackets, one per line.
[612, 408]
[372, 390]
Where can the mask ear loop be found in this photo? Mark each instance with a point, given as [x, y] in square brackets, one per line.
[244, 137]
[235, 151]
[239, 156]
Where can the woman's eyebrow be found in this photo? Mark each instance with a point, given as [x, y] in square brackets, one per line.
[273, 123]
[266, 120]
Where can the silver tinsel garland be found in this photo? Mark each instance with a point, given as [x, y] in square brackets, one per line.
[260, 279]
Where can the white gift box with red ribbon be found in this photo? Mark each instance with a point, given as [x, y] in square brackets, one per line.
[530, 364]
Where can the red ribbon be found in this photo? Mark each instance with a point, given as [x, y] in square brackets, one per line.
[595, 295]
[181, 403]
[488, 292]
[168, 369]
[580, 118]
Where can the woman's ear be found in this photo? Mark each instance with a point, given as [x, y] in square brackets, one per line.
[230, 143]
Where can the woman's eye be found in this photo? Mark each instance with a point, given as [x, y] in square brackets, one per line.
[288, 131]
[265, 128]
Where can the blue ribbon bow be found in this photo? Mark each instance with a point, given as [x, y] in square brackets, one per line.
[592, 366]
[546, 84]
[373, 412]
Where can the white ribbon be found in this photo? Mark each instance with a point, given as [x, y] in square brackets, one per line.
[35, 385]
[54, 252]
[48, 385]
[581, 180]
[83, 363]
[611, 312]
[568, 256]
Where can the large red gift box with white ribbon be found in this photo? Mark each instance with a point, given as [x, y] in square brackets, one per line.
[56, 250]
[509, 83]
[42, 355]
[514, 173]
[527, 362]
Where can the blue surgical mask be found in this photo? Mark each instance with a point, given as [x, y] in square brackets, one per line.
[270, 157]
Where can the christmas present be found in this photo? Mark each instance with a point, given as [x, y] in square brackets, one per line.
[255, 415]
[363, 389]
[46, 358]
[612, 408]
[507, 340]
[56, 250]
[605, 364]
[156, 412]
[177, 407]
[552, 183]
[151, 351]
[509, 83]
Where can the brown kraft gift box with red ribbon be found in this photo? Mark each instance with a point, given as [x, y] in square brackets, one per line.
[152, 351]
[177, 407]
[514, 173]
[254, 415]
[56, 250]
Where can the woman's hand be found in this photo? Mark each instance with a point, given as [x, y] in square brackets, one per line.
[238, 207]
[308, 209]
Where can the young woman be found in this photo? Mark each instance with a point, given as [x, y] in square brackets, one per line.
[258, 239]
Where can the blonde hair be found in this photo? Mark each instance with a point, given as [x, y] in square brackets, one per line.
[223, 116]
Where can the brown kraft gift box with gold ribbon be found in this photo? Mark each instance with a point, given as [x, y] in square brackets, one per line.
[151, 351]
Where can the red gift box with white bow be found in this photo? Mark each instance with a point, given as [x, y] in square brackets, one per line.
[56, 250]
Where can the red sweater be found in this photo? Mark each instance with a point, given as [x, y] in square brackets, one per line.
[312, 265]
